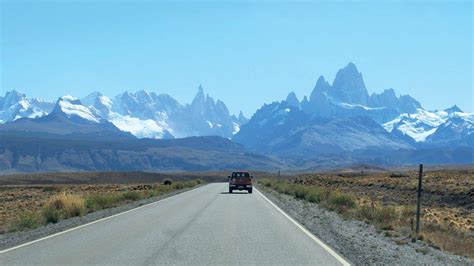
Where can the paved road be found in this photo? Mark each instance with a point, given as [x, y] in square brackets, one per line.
[200, 227]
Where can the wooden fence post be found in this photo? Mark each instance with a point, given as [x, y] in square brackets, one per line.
[418, 200]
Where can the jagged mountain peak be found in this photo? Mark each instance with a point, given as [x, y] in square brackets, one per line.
[210, 100]
[15, 105]
[453, 109]
[389, 92]
[349, 86]
[351, 67]
[145, 95]
[90, 98]
[220, 106]
[242, 119]
[103, 105]
[387, 98]
[199, 98]
[14, 93]
[11, 97]
[72, 108]
[321, 82]
[409, 104]
[292, 100]
[321, 87]
[70, 99]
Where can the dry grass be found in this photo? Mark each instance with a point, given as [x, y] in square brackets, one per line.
[388, 201]
[341, 203]
[447, 238]
[63, 206]
[25, 207]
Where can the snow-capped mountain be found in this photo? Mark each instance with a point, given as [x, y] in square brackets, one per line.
[145, 105]
[68, 118]
[139, 127]
[348, 96]
[202, 117]
[162, 114]
[388, 99]
[418, 125]
[15, 105]
[286, 131]
[338, 117]
[422, 124]
[341, 117]
[142, 113]
[207, 116]
[73, 109]
[457, 130]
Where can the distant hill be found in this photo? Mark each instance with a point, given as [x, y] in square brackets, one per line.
[76, 138]
[23, 153]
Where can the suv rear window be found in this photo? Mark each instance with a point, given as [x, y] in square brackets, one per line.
[240, 174]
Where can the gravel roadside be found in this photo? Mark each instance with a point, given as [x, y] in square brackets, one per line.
[12, 239]
[359, 242]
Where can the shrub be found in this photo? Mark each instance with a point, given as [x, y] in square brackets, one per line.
[27, 220]
[63, 206]
[132, 195]
[299, 191]
[407, 216]
[339, 203]
[342, 200]
[314, 195]
[178, 185]
[51, 214]
[383, 218]
[408, 211]
[266, 182]
[98, 202]
[366, 213]
[160, 189]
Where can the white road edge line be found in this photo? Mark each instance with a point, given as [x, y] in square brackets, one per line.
[308, 233]
[96, 221]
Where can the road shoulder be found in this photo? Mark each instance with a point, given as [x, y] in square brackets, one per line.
[13, 239]
[359, 242]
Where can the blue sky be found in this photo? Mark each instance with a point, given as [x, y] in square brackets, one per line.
[245, 53]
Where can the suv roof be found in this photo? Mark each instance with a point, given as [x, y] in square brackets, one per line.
[242, 174]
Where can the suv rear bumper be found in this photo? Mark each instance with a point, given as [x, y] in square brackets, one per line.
[240, 187]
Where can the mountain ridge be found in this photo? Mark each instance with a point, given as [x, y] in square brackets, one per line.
[336, 124]
[142, 113]
[353, 122]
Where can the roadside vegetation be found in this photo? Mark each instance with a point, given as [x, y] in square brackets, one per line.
[63, 204]
[394, 220]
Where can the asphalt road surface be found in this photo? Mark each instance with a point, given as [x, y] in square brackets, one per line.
[204, 226]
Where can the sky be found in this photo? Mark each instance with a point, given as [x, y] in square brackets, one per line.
[245, 53]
